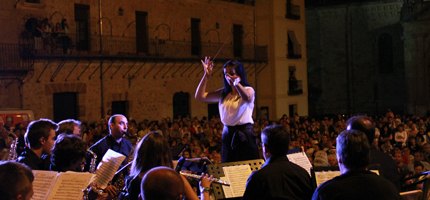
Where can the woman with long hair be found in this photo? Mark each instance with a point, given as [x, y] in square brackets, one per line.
[153, 151]
[236, 104]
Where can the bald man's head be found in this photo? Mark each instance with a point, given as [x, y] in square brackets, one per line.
[162, 183]
[364, 124]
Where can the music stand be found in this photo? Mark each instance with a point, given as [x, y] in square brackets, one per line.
[372, 167]
[217, 172]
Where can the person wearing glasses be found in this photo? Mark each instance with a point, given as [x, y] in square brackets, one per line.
[236, 104]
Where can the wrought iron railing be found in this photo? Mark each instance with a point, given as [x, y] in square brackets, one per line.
[293, 11]
[246, 2]
[10, 57]
[127, 46]
[295, 87]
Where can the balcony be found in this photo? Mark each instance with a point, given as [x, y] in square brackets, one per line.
[295, 87]
[126, 47]
[246, 2]
[293, 11]
[10, 59]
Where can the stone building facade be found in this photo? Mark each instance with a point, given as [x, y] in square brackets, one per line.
[365, 57]
[144, 55]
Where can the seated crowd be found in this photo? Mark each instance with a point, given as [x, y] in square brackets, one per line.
[404, 138]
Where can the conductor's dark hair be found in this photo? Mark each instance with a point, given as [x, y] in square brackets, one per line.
[353, 148]
[38, 129]
[276, 139]
[67, 149]
[240, 71]
[364, 124]
[15, 179]
[151, 151]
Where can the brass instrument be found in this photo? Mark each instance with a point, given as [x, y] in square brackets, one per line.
[12, 152]
[93, 162]
[198, 177]
[92, 170]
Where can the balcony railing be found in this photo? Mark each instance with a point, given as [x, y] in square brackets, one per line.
[246, 2]
[295, 87]
[127, 46]
[10, 57]
[293, 12]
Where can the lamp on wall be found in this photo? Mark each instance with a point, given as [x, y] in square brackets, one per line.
[120, 11]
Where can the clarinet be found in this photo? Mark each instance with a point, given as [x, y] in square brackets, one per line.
[12, 152]
[198, 177]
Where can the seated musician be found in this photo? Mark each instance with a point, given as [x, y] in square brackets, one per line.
[153, 151]
[39, 139]
[16, 181]
[356, 181]
[162, 183]
[68, 153]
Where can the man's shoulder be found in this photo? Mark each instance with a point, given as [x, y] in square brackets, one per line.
[127, 143]
[283, 166]
[353, 182]
[99, 144]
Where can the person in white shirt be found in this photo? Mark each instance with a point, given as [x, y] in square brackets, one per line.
[236, 104]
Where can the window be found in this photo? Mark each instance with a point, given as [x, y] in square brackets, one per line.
[213, 110]
[181, 104]
[294, 85]
[292, 11]
[385, 53]
[32, 1]
[142, 32]
[196, 44]
[119, 107]
[82, 16]
[237, 40]
[294, 48]
[65, 106]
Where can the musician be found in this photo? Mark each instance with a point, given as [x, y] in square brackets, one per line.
[236, 104]
[16, 181]
[117, 130]
[278, 178]
[68, 153]
[388, 167]
[356, 182]
[69, 126]
[39, 139]
[162, 183]
[153, 151]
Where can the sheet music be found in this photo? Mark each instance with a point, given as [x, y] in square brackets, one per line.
[107, 167]
[302, 160]
[42, 184]
[324, 176]
[226, 189]
[237, 176]
[69, 185]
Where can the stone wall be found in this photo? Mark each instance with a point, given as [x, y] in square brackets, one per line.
[150, 92]
[344, 75]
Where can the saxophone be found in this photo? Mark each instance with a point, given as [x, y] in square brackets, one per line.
[12, 152]
[92, 170]
[93, 162]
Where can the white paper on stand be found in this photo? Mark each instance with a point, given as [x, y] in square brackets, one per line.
[237, 176]
[302, 160]
[107, 168]
[66, 185]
